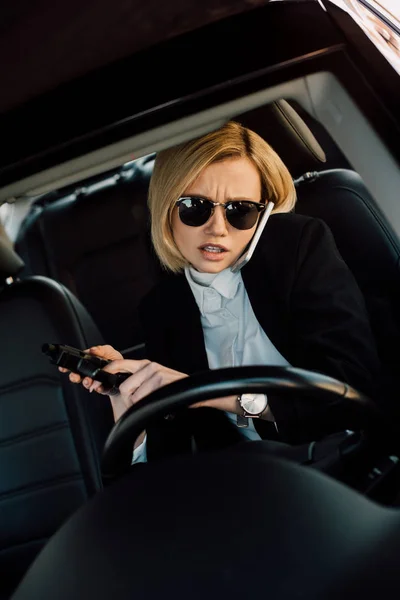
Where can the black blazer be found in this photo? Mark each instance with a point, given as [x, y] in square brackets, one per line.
[307, 302]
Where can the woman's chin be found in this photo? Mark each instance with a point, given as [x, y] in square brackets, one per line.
[210, 267]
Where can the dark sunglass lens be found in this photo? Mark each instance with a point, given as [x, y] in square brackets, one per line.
[242, 215]
[195, 211]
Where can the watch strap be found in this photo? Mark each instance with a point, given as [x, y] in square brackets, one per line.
[241, 420]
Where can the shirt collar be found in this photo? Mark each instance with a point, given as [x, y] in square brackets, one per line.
[225, 283]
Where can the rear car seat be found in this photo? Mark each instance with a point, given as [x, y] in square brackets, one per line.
[51, 432]
[96, 242]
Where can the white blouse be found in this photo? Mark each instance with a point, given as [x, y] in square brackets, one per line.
[233, 337]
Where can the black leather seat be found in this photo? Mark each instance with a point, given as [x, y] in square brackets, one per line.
[51, 432]
[363, 235]
[370, 248]
[95, 241]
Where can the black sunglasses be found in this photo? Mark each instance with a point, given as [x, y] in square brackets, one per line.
[241, 214]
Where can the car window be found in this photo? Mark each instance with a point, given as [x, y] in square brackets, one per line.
[12, 215]
[380, 20]
[388, 8]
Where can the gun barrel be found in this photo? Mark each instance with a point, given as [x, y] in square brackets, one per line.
[50, 349]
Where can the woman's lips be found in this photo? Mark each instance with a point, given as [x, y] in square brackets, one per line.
[217, 255]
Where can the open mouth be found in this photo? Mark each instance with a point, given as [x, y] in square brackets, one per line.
[213, 251]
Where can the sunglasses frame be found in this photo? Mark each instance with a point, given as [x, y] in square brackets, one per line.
[260, 207]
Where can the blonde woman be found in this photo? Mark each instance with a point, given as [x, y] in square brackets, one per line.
[295, 303]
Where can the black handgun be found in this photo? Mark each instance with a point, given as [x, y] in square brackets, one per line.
[85, 364]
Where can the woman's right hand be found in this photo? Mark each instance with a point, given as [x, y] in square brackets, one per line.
[117, 402]
[109, 353]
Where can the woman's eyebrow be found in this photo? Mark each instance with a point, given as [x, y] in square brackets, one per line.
[238, 198]
[242, 198]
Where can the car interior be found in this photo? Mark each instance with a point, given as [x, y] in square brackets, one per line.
[81, 263]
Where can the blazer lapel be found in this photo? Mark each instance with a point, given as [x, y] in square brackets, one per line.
[269, 307]
[188, 348]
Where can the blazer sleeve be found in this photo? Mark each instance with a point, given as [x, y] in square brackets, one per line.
[331, 333]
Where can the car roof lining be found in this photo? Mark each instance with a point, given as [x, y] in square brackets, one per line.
[320, 94]
[154, 140]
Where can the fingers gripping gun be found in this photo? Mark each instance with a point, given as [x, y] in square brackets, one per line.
[85, 364]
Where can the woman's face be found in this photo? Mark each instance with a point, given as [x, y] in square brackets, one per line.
[230, 179]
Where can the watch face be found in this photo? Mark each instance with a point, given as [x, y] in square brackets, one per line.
[254, 404]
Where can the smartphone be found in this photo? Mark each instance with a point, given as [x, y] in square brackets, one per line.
[248, 253]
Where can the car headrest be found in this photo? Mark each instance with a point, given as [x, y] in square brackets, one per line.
[283, 128]
[10, 263]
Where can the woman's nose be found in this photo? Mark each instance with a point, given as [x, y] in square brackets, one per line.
[217, 225]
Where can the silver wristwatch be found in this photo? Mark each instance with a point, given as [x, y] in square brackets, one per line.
[253, 405]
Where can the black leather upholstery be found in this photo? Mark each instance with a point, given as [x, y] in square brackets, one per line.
[51, 432]
[367, 243]
[96, 243]
[229, 525]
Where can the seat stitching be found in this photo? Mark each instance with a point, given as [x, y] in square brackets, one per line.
[31, 488]
[21, 383]
[40, 431]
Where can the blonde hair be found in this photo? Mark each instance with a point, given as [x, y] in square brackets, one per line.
[176, 168]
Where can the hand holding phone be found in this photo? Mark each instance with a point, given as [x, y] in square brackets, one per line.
[246, 256]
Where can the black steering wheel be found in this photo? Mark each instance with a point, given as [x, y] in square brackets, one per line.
[347, 406]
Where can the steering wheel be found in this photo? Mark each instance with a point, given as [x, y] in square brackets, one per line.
[343, 403]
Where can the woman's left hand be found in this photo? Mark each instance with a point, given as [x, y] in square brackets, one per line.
[149, 376]
[146, 377]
